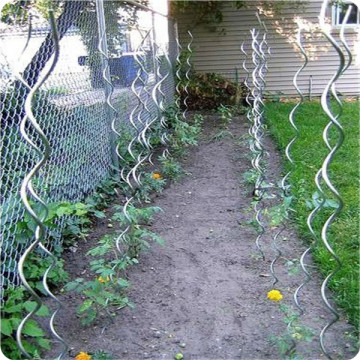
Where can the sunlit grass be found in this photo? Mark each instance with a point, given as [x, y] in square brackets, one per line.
[308, 152]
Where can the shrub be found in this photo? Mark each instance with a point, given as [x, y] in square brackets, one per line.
[209, 91]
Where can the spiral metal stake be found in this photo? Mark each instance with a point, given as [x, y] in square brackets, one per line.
[140, 106]
[143, 108]
[325, 103]
[159, 100]
[27, 187]
[109, 88]
[178, 80]
[285, 186]
[284, 182]
[142, 137]
[345, 67]
[265, 49]
[188, 63]
[257, 133]
[163, 122]
[265, 52]
[318, 176]
[157, 116]
[28, 38]
[248, 99]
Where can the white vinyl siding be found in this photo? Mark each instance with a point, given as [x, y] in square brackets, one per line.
[219, 51]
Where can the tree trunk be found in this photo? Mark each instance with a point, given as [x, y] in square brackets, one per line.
[71, 11]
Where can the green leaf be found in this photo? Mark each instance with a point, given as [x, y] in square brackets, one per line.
[31, 305]
[30, 348]
[6, 327]
[44, 343]
[85, 306]
[105, 272]
[73, 284]
[99, 214]
[12, 309]
[332, 203]
[90, 317]
[123, 283]
[309, 204]
[63, 210]
[99, 250]
[102, 301]
[33, 329]
[81, 209]
[15, 322]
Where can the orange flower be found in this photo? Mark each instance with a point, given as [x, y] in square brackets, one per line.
[83, 356]
[157, 176]
[102, 280]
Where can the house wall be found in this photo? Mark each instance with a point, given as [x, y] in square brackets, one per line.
[219, 51]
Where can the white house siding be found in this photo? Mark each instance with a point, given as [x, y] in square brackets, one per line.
[220, 51]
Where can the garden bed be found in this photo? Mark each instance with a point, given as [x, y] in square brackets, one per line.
[204, 294]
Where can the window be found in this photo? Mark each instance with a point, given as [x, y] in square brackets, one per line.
[338, 14]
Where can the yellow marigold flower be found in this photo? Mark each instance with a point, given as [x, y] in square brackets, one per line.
[102, 280]
[83, 356]
[157, 176]
[274, 295]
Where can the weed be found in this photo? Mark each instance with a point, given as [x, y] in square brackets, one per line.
[101, 355]
[295, 333]
[149, 186]
[225, 115]
[279, 213]
[222, 134]
[171, 168]
[250, 176]
[293, 266]
[317, 200]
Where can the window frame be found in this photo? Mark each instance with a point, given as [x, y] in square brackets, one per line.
[335, 14]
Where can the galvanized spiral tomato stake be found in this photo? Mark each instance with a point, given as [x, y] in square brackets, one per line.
[139, 88]
[187, 74]
[150, 118]
[284, 181]
[333, 121]
[286, 187]
[164, 124]
[136, 121]
[258, 134]
[27, 187]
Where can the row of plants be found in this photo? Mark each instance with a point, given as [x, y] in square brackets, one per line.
[308, 152]
[276, 216]
[296, 203]
[109, 260]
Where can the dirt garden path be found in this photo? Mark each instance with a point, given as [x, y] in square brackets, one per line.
[204, 293]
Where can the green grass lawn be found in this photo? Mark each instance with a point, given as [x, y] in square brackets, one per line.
[308, 153]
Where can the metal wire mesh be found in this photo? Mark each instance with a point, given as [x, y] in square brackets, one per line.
[69, 106]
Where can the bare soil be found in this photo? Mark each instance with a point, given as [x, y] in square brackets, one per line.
[204, 293]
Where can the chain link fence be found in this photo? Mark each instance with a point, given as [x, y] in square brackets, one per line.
[70, 106]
